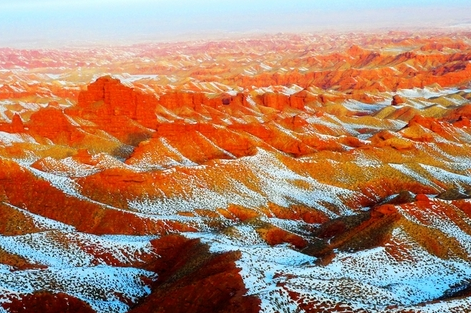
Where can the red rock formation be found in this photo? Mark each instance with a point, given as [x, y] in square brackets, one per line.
[193, 280]
[16, 125]
[118, 100]
[52, 123]
[177, 100]
[231, 154]
[274, 236]
[118, 109]
[397, 100]
[414, 130]
[24, 190]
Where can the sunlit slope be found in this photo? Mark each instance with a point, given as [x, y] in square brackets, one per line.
[286, 173]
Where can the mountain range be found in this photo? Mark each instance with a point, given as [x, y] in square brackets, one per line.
[279, 173]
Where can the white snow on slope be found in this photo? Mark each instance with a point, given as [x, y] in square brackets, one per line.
[68, 167]
[425, 93]
[8, 139]
[73, 249]
[43, 222]
[367, 279]
[102, 287]
[77, 264]
[276, 183]
[460, 181]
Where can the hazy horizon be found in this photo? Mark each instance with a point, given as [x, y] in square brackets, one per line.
[32, 23]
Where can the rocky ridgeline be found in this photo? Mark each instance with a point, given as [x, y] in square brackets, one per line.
[317, 183]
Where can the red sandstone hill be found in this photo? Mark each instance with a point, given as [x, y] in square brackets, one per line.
[283, 173]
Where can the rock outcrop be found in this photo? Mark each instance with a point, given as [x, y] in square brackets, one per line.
[396, 100]
[281, 173]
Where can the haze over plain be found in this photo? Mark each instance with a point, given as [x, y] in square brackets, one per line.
[55, 23]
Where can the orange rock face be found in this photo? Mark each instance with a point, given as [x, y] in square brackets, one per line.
[281, 173]
[107, 98]
[397, 100]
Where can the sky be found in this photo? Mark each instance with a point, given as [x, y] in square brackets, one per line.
[25, 23]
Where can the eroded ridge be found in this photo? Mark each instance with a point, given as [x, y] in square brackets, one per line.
[311, 173]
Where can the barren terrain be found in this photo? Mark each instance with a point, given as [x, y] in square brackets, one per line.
[279, 173]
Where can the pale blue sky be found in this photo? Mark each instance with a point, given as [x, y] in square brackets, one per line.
[36, 22]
